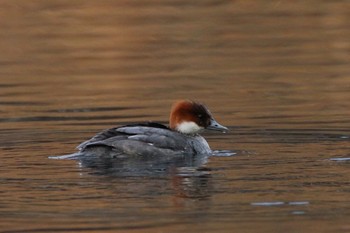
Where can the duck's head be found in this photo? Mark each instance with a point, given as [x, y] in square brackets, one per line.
[190, 117]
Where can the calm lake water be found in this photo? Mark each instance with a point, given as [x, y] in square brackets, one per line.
[277, 73]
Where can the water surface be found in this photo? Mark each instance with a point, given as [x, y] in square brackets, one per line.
[277, 73]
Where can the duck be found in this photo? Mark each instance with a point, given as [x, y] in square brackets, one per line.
[149, 139]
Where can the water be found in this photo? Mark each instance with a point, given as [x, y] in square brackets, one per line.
[275, 72]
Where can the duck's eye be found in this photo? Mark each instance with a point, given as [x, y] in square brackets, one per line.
[200, 116]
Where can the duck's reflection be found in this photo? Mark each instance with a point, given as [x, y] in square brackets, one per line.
[186, 175]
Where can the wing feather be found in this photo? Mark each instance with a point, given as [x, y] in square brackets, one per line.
[145, 137]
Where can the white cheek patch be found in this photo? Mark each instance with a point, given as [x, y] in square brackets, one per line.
[188, 127]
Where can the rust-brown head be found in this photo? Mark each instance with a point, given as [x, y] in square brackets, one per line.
[190, 117]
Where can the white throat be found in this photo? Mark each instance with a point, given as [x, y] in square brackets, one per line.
[188, 127]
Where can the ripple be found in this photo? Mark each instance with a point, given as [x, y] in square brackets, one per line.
[223, 153]
[298, 212]
[273, 203]
[340, 159]
[92, 109]
[64, 118]
[22, 103]
[279, 203]
[298, 203]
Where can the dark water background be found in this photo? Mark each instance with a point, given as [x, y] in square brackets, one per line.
[277, 73]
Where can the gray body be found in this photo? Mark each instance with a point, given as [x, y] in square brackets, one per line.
[149, 139]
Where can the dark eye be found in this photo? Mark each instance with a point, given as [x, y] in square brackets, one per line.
[200, 116]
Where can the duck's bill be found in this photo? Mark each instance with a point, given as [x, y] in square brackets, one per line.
[214, 125]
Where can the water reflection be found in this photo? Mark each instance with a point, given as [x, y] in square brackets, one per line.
[187, 174]
[141, 166]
